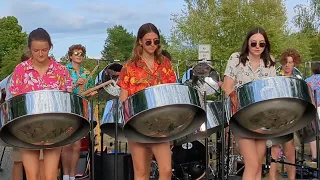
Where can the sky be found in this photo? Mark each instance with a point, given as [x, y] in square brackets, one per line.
[85, 21]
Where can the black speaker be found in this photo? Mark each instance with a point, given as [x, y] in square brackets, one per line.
[125, 166]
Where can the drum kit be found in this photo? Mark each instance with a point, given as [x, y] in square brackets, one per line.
[271, 108]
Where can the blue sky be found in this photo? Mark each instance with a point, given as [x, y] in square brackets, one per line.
[85, 22]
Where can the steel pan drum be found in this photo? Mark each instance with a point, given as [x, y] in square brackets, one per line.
[189, 158]
[108, 121]
[214, 122]
[4, 86]
[163, 113]
[271, 107]
[111, 91]
[203, 77]
[44, 119]
[309, 133]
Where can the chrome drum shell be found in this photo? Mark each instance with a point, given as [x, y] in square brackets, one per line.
[271, 107]
[44, 119]
[108, 121]
[163, 113]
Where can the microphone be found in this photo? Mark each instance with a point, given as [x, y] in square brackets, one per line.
[268, 155]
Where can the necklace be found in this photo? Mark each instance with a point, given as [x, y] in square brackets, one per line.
[150, 66]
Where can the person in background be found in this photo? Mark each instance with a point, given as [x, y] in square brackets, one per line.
[40, 72]
[289, 59]
[252, 63]
[81, 81]
[314, 82]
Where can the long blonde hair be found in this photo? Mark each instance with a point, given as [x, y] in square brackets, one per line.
[138, 49]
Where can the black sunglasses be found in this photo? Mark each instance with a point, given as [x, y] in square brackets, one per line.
[155, 42]
[261, 44]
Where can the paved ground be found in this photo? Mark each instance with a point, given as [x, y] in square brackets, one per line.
[6, 164]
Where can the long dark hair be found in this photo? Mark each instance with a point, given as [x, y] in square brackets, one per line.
[137, 50]
[265, 55]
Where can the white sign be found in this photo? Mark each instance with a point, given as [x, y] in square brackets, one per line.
[204, 52]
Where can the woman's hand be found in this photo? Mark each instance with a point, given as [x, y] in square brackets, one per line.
[92, 94]
[80, 81]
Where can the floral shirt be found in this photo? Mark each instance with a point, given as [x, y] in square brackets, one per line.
[135, 77]
[314, 82]
[244, 74]
[84, 73]
[25, 78]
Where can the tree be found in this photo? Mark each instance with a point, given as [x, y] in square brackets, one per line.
[12, 43]
[119, 44]
[224, 24]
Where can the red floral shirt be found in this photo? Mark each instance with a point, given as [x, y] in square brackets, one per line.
[135, 77]
[25, 78]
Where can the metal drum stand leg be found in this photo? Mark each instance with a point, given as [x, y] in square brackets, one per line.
[91, 142]
[116, 147]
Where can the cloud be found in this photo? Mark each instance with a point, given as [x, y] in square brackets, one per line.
[33, 14]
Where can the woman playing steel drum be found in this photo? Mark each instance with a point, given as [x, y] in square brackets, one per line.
[147, 67]
[81, 81]
[252, 63]
[38, 73]
[288, 59]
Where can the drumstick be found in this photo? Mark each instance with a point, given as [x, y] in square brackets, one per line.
[88, 78]
[95, 88]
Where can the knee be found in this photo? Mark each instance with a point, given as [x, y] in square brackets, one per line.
[140, 173]
[76, 145]
[252, 166]
[290, 154]
[165, 171]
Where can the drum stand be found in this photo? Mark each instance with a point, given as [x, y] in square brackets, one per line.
[92, 141]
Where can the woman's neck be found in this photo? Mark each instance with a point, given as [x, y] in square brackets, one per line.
[40, 65]
[147, 57]
[254, 58]
[76, 66]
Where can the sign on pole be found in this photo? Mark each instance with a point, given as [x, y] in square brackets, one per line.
[204, 52]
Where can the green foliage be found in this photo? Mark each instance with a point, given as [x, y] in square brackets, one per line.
[224, 24]
[12, 42]
[119, 44]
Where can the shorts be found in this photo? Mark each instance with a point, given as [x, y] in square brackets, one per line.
[16, 156]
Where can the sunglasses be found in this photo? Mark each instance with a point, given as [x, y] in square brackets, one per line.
[261, 44]
[78, 54]
[155, 42]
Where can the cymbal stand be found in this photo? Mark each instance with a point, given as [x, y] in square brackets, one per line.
[92, 141]
[206, 137]
[116, 145]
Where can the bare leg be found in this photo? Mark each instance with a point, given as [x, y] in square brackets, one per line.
[17, 171]
[248, 150]
[313, 148]
[141, 160]
[30, 160]
[162, 153]
[66, 159]
[275, 150]
[289, 152]
[51, 163]
[261, 151]
[74, 158]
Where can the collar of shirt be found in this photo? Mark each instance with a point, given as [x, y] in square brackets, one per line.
[29, 66]
[261, 65]
[141, 64]
[70, 67]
